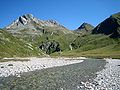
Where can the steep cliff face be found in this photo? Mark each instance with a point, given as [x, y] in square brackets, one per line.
[110, 26]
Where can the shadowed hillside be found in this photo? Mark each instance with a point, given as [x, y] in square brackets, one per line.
[110, 26]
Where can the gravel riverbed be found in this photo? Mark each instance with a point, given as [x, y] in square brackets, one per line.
[88, 74]
[18, 67]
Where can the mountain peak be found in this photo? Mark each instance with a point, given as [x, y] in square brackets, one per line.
[85, 27]
[31, 24]
[21, 21]
[27, 16]
[27, 20]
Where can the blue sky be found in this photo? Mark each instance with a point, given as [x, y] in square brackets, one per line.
[70, 13]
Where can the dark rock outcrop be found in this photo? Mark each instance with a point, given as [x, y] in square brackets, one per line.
[50, 47]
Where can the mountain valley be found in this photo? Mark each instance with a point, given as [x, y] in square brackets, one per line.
[29, 36]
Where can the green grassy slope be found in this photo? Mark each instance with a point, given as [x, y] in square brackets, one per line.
[97, 46]
[63, 36]
[11, 46]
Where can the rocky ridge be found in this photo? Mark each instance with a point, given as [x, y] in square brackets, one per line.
[32, 25]
[29, 19]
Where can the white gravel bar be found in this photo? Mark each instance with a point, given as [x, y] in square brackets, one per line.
[15, 68]
[106, 79]
[109, 78]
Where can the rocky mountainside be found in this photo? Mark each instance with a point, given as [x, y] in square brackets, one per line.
[29, 20]
[110, 26]
[85, 28]
[49, 35]
[28, 24]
